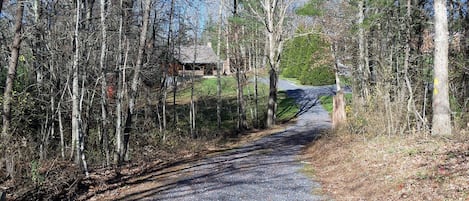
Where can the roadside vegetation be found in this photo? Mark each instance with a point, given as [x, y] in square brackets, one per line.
[307, 60]
[353, 166]
[155, 150]
[326, 102]
[361, 161]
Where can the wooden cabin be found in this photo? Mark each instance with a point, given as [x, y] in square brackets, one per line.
[199, 60]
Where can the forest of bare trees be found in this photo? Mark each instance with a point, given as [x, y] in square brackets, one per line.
[88, 81]
[91, 83]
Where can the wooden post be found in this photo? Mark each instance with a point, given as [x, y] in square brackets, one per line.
[338, 112]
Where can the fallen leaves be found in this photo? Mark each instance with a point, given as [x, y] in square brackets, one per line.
[415, 167]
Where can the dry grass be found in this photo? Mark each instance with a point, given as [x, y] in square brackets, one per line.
[410, 167]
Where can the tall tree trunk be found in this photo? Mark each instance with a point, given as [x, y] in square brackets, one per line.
[15, 50]
[441, 121]
[411, 109]
[104, 96]
[136, 76]
[75, 89]
[220, 16]
[362, 86]
[273, 75]
[7, 94]
[125, 8]
[192, 112]
[169, 61]
[274, 13]
[238, 64]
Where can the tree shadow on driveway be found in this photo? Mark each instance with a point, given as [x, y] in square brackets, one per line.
[267, 169]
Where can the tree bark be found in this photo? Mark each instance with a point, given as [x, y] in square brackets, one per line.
[121, 66]
[104, 97]
[238, 63]
[218, 65]
[362, 77]
[136, 77]
[75, 89]
[8, 93]
[273, 19]
[441, 121]
[13, 64]
[338, 110]
[192, 112]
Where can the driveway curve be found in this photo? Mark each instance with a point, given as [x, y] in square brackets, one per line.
[266, 169]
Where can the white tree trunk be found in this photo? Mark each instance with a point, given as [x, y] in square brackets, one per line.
[104, 105]
[274, 12]
[441, 121]
[361, 52]
[75, 90]
[121, 62]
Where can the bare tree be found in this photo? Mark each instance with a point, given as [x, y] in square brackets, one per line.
[104, 97]
[272, 14]
[192, 111]
[75, 89]
[15, 50]
[441, 121]
[237, 59]
[218, 64]
[136, 76]
[7, 94]
[362, 64]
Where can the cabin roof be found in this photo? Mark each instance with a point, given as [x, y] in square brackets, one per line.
[205, 55]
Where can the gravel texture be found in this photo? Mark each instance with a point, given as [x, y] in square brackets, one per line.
[267, 169]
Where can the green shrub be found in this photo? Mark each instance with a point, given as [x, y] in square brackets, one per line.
[308, 58]
[318, 76]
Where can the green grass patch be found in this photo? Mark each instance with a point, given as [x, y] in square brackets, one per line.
[287, 107]
[327, 101]
[205, 95]
[207, 87]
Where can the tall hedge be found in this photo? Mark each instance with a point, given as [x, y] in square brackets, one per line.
[308, 59]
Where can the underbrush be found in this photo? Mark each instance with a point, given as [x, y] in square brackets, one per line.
[382, 154]
[409, 167]
[150, 148]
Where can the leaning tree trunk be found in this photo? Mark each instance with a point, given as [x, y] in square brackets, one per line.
[136, 78]
[441, 121]
[15, 49]
[7, 94]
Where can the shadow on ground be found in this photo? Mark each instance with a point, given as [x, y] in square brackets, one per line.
[266, 169]
[250, 159]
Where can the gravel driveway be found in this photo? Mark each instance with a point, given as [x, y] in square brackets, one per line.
[267, 169]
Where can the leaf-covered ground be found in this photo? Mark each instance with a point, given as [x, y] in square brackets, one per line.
[415, 167]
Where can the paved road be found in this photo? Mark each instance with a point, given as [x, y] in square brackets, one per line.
[267, 169]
